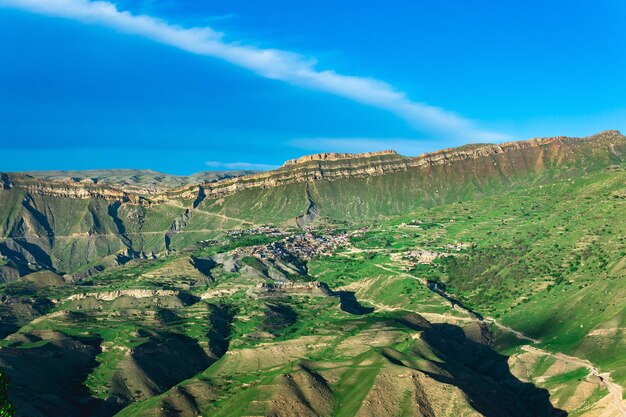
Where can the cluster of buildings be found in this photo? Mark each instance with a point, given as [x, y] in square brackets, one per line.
[413, 224]
[304, 246]
[458, 246]
[253, 231]
[417, 223]
[422, 256]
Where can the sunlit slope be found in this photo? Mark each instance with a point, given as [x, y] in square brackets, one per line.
[248, 351]
[551, 262]
[548, 260]
[360, 191]
[70, 227]
[227, 346]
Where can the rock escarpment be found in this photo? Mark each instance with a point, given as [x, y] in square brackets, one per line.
[324, 166]
[113, 295]
[333, 166]
[67, 226]
[332, 156]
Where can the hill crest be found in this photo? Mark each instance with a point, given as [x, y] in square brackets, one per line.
[333, 156]
[325, 166]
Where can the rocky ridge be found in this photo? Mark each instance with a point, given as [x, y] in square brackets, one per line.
[113, 295]
[337, 166]
[325, 166]
[333, 156]
[66, 225]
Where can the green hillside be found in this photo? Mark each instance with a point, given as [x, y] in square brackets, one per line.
[486, 280]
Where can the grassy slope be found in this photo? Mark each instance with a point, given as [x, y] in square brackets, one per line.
[86, 230]
[524, 241]
[557, 271]
[549, 260]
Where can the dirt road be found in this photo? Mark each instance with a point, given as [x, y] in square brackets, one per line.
[614, 389]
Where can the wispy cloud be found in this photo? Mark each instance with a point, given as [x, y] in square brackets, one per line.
[409, 147]
[220, 17]
[275, 64]
[241, 165]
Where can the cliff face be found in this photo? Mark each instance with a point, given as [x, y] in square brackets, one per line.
[336, 156]
[333, 166]
[67, 188]
[324, 166]
[67, 225]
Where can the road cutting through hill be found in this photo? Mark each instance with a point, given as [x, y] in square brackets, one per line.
[615, 390]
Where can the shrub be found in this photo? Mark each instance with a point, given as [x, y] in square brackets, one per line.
[6, 409]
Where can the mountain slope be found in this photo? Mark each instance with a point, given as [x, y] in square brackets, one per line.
[67, 226]
[487, 282]
[158, 181]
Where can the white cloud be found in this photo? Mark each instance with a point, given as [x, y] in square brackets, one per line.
[270, 63]
[241, 165]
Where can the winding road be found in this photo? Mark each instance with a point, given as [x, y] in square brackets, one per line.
[614, 389]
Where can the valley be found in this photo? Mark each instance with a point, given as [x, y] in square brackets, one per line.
[487, 280]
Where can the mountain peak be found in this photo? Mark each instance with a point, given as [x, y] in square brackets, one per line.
[333, 156]
[612, 132]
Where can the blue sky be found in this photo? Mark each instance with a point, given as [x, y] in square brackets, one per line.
[182, 87]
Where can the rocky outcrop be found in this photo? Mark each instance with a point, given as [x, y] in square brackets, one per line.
[65, 188]
[313, 288]
[336, 156]
[311, 213]
[64, 225]
[176, 227]
[324, 166]
[331, 166]
[113, 295]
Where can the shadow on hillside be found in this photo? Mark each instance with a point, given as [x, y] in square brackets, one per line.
[48, 371]
[350, 304]
[347, 301]
[278, 317]
[495, 391]
[49, 379]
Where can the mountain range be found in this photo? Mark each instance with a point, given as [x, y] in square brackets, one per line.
[480, 280]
